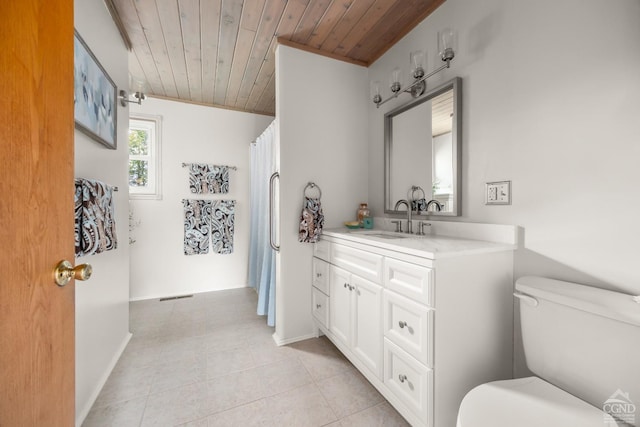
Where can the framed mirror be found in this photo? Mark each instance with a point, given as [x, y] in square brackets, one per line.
[423, 153]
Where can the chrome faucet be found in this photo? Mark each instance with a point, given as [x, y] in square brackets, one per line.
[408, 205]
[438, 205]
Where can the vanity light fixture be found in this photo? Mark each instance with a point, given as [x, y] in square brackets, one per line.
[419, 85]
[124, 98]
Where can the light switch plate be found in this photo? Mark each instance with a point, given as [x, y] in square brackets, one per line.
[498, 193]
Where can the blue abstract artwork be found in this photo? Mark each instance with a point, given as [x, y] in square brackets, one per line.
[94, 96]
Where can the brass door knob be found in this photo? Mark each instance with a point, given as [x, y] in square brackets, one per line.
[64, 272]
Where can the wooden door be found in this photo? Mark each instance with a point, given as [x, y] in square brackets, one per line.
[36, 212]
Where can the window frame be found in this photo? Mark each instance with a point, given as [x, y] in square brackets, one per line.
[153, 124]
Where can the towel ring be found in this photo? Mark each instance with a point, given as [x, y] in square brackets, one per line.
[312, 185]
[415, 188]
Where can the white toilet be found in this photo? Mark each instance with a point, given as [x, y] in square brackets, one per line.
[583, 345]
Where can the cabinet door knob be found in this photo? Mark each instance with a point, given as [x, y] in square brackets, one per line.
[318, 305]
[346, 285]
[402, 378]
[318, 274]
[402, 324]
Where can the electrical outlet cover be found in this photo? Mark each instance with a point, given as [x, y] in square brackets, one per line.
[498, 193]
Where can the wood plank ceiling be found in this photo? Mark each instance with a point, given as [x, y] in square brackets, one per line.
[222, 52]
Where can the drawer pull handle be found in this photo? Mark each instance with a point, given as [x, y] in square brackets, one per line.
[402, 324]
[402, 378]
[318, 274]
[318, 305]
[346, 285]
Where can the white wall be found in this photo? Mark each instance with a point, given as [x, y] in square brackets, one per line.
[321, 106]
[102, 302]
[192, 134]
[551, 101]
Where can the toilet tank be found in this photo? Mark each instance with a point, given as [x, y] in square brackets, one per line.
[582, 339]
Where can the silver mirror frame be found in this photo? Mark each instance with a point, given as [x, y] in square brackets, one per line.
[456, 85]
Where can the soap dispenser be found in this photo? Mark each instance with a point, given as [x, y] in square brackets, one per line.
[363, 212]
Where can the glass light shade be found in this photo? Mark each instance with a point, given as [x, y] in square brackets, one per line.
[446, 42]
[375, 88]
[417, 59]
[395, 80]
[137, 84]
[375, 92]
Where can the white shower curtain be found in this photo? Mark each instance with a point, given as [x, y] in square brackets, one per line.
[262, 259]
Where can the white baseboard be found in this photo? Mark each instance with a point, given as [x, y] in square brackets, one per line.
[82, 415]
[186, 292]
[279, 341]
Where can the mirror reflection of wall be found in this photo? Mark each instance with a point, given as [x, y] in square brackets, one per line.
[411, 160]
[442, 118]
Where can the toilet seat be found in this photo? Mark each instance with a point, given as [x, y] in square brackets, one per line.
[526, 402]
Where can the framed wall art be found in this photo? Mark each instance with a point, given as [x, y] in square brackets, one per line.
[94, 96]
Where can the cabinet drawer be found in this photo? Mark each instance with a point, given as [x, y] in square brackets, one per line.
[320, 307]
[411, 280]
[320, 271]
[322, 250]
[409, 380]
[409, 325]
[364, 264]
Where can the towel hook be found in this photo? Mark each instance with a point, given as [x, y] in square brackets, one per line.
[312, 185]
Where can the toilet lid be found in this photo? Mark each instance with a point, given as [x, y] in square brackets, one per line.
[526, 402]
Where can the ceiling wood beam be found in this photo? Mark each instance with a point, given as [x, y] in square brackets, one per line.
[321, 52]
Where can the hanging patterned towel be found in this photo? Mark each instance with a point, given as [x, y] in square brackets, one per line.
[196, 226]
[222, 224]
[419, 205]
[206, 220]
[206, 179]
[95, 228]
[77, 217]
[311, 221]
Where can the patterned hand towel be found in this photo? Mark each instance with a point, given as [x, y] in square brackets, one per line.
[311, 221]
[419, 205]
[222, 224]
[196, 226]
[206, 179]
[95, 228]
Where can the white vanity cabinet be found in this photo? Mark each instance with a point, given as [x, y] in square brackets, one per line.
[424, 326]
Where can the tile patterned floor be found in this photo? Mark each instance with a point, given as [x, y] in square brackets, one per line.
[210, 361]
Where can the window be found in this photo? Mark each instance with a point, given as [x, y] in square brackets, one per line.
[144, 157]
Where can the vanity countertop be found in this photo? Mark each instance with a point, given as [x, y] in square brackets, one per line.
[428, 246]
